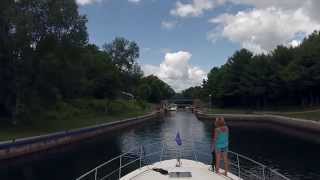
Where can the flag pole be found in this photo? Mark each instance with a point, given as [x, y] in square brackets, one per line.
[179, 143]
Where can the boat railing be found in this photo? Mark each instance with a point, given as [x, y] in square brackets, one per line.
[135, 158]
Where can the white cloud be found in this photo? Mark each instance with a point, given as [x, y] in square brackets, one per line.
[86, 2]
[168, 24]
[261, 30]
[294, 43]
[134, 1]
[176, 71]
[312, 9]
[150, 69]
[283, 4]
[309, 7]
[196, 8]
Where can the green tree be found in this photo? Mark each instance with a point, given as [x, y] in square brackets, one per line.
[124, 55]
[102, 76]
[7, 59]
[286, 76]
[44, 36]
[154, 90]
[123, 52]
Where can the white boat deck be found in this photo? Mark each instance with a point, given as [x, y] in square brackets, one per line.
[198, 170]
[167, 169]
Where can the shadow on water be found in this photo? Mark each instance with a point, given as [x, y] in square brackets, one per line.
[296, 158]
[65, 162]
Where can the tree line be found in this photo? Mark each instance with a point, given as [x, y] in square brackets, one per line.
[285, 76]
[45, 57]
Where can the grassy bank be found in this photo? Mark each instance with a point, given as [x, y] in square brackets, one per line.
[310, 115]
[74, 114]
[294, 112]
[228, 111]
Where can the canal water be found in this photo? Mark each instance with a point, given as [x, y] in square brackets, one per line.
[293, 157]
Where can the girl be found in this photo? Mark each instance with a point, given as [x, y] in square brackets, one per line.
[221, 144]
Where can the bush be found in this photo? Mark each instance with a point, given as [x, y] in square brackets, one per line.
[62, 110]
[118, 106]
[92, 107]
[144, 105]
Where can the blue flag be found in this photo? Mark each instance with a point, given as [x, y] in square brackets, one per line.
[178, 139]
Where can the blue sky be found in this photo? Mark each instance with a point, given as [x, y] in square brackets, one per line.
[141, 22]
[180, 41]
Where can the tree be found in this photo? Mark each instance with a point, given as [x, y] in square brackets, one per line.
[102, 76]
[7, 59]
[41, 38]
[286, 76]
[154, 90]
[123, 53]
[282, 55]
[196, 92]
[303, 74]
[45, 59]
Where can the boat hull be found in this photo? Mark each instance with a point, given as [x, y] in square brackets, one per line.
[197, 170]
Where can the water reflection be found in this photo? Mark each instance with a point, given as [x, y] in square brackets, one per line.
[293, 157]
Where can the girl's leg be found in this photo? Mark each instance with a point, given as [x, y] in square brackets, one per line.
[218, 156]
[213, 160]
[225, 162]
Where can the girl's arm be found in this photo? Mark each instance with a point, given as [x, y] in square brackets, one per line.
[215, 134]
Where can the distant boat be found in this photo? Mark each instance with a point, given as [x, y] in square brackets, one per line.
[173, 107]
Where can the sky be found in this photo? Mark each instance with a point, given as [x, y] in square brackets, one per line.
[182, 40]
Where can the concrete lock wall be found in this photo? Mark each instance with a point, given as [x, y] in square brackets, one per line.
[23, 146]
[305, 129]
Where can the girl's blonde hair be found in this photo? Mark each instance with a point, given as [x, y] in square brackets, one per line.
[220, 122]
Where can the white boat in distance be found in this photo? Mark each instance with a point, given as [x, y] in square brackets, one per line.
[162, 161]
[173, 107]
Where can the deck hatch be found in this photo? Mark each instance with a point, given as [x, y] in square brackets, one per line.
[179, 174]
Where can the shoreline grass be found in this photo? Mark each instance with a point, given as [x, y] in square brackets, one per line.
[67, 118]
[308, 115]
[312, 113]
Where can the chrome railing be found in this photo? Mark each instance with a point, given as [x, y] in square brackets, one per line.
[241, 166]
